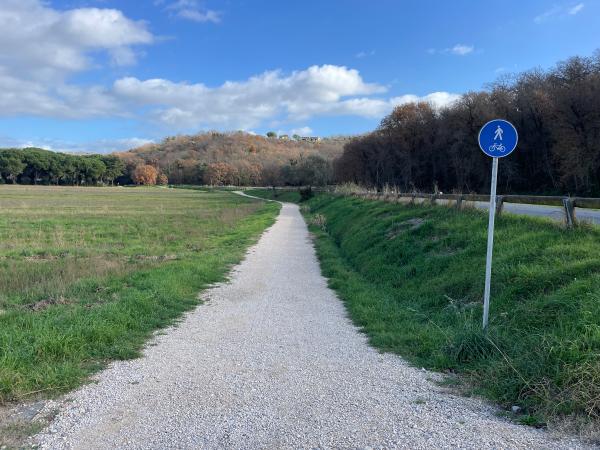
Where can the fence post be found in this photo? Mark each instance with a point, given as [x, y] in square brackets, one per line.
[570, 212]
[459, 201]
[499, 204]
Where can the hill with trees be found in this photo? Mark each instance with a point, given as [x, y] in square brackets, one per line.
[557, 114]
[237, 159]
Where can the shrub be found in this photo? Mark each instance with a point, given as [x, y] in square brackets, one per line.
[306, 194]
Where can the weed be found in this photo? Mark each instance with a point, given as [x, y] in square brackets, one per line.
[319, 220]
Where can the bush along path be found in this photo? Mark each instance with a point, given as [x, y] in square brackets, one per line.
[272, 361]
[412, 277]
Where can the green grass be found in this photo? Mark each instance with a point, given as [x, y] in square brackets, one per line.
[86, 275]
[412, 277]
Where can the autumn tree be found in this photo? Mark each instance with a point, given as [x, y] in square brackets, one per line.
[145, 175]
[221, 174]
[162, 180]
[271, 175]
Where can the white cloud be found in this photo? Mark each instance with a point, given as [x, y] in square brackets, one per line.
[37, 39]
[363, 54]
[461, 49]
[191, 10]
[302, 131]
[42, 47]
[318, 90]
[458, 50]
[437, 99]
[558, 12]
[576, 9]
[266, 98]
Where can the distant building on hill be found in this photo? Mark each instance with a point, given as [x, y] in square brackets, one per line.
[310, 138]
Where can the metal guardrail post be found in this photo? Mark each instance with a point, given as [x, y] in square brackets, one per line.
[569, 206]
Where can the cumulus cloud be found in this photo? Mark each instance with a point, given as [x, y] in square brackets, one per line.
[318, 90]
[42, 47]
[44, 41]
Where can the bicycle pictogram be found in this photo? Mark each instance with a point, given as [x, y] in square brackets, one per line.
[497, 147]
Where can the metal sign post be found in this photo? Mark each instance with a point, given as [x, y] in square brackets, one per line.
[490, 244]
[497, 138]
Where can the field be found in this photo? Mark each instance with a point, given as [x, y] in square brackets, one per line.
[87, 274]
[412, 277]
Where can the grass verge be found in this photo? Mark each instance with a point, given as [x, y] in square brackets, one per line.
[412, 277]
[88, 274]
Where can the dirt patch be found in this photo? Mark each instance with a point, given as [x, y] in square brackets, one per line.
[40, 258]
[155, 257]
[19, 422]
[46, 303]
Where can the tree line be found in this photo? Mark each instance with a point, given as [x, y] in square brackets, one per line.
[38, 166]
[557, 114]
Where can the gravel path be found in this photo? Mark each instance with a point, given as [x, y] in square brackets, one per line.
[272, 361]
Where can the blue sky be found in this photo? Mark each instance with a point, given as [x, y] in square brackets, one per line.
[104, 75]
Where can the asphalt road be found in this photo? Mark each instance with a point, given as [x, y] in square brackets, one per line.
[551, 212]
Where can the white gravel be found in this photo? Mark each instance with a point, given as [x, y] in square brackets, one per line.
[272, 361]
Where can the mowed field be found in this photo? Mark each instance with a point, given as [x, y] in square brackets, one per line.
[86, 274]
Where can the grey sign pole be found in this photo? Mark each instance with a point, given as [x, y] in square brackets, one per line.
[490, 244]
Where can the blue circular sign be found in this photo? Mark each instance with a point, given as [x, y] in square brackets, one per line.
[498, 138]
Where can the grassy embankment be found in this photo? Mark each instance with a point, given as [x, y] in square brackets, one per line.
[412, 277]
[86, 275]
